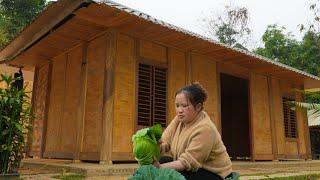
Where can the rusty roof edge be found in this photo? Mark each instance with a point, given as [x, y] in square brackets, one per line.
[187, 32]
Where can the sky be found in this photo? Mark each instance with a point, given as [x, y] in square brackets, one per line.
[187, 14]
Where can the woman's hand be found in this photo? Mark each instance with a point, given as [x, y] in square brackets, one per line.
[155, 162]
[159, 144]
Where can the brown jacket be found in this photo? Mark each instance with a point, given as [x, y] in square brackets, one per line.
[197, 144]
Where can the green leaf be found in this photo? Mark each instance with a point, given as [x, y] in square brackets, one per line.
[140, 133]
[156, 130]
[149, 172]
[18, 126]
[145, 144]
[170, 174]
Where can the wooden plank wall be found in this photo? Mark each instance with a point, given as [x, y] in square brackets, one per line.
[96, 56]
[260, 118]
[176, 78]
[278, 118]
[71, 100]
[289, 148]
[56, 106]
[64, 100]
[40, 90]
[152, 51]
[204, 71]
[125, 101]
[303, 131]
[63, 103]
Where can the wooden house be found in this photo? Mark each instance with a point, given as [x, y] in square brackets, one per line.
[103, 70]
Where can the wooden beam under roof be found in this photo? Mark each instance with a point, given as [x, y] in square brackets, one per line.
[42, 25]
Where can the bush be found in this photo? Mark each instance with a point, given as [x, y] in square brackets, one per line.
[15, 116]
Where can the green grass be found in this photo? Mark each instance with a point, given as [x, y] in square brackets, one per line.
[302, 177]
[64, 176]
[69, 176]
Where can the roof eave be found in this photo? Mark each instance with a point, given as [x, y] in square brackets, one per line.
[41, 26]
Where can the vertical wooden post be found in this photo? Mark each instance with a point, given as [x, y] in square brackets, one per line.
[34, 92]
[108, 98]
[272, 120]
[219, 97]
[307, 137]
[297, 97]
[40, 103]
[251, 121]
[307, 133]
[82, 103]
[46, 111]
[305, 129]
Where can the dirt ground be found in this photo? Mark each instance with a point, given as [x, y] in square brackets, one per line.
[48, 169]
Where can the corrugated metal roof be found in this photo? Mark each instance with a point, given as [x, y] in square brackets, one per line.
[173, 27]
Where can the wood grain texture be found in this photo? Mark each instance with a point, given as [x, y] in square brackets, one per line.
[301, 120]
[124, 102]
[39, 105]
[260, 116]
[82, 102]
[71, 100]
[150, 50]
[108, 98]
[56, 104]
[204, 72]
[94, 95]
[278, 116]
[291, 148]
[176, 78]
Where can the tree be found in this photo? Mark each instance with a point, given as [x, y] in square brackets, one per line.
[282, 47]
[15, 15]
[314, 24]
[310, 53]
[229, 27]
[278, 45]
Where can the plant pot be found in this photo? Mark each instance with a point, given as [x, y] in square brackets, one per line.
[10, 176]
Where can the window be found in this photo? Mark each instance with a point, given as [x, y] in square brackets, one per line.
[290, 120]
[152, 95]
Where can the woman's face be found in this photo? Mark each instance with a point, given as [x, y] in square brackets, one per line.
[185, 111]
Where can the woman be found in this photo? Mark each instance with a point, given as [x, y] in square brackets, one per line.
[192, 141]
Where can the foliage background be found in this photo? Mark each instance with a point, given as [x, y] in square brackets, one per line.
[15, 15]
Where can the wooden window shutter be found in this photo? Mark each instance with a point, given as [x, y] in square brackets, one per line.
[290, 120]
[144, 95]
[160, 96]
[152, 95]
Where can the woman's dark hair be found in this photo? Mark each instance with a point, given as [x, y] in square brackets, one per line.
[195, 93]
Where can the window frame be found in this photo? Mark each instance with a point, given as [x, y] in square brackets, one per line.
[154, 64]
[291, 119]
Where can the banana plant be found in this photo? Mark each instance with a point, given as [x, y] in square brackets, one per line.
[311, 103]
